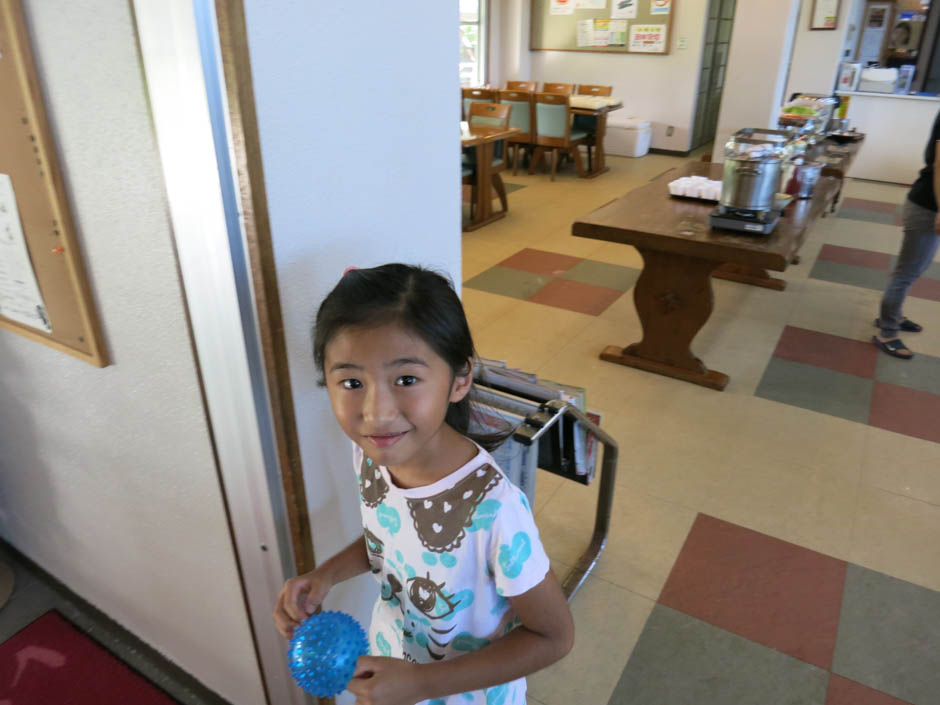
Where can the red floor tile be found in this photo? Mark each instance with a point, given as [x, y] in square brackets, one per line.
[575, 296]
[865, 204]
[550, 264]
[904, 410]
[828, 351]
[769, 591]
[926, 289]
[842, 691]
[851, 255]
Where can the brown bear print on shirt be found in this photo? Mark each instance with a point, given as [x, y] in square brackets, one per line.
[441, 521]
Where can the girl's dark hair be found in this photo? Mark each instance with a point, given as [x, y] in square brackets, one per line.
[423, 302]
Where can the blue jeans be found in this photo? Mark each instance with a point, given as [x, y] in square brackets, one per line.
[917, 252]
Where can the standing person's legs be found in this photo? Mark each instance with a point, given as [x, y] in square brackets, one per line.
[917, 252]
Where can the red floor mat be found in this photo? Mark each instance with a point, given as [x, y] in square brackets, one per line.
[50, 662]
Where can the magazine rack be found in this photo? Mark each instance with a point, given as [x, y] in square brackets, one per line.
[551, 423]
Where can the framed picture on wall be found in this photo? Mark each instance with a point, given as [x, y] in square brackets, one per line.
[825, 14]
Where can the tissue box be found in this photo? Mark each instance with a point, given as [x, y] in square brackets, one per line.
[878, 80]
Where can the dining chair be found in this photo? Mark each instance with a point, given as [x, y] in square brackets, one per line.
[495, 115]
[522, 116]
[475, 95]
[524, 86]
[560, 88]
[588, 123]
[553, 131]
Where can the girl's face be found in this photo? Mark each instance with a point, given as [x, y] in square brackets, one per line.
[390, 392]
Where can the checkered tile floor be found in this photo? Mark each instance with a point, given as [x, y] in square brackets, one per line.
[747, 618]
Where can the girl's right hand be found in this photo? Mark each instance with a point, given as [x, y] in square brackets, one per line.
[298, 599]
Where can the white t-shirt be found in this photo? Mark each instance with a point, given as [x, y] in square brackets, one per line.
[448, 556]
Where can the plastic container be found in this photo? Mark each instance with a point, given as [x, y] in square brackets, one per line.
[628, 137]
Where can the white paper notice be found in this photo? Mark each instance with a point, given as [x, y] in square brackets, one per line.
[562, 7]
[585, 33]
[618, 32]
[590, 4]
[20, 299]
[624, 9]
[660, 7]
[648, 38]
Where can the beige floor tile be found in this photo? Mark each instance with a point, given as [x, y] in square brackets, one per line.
[480, 247]
[546, 485]
[608, 622]
[615, 253]
[645, 536]
[875, 190]
[483, 308]
[526, 335]
[862, 235]
[563, 241]
[898, 536]
[836, 309]
[471, 266]
[901, 465]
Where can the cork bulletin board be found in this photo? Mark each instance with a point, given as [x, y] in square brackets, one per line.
[44, 290]
[603, 26]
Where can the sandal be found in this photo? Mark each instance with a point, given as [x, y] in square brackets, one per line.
[894, 347]
[906, 324]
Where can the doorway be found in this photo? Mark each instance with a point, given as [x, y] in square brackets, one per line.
[712, 77]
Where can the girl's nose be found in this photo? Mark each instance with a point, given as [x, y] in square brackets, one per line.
[379, 406]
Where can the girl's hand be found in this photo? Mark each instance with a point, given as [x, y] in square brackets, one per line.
[379, 680]
[298, 599]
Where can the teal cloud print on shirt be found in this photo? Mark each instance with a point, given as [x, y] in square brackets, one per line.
[484, 515]
[514, 556]
[497, 695]
[389, 518]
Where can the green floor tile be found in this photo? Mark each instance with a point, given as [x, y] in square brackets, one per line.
[816, 389]
[850, 274]
[889, 636]
[508, 282]
[612, 276]
[680, 660]
[922, 372]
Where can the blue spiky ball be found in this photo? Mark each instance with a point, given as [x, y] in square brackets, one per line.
[324, 650]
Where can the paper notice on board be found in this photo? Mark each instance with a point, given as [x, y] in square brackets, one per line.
[20, 299]
[618, 33]
[624, 9]
[585, 33]
[648, 38]
[590, 4]
[601, 33]
[660, 7]
[562, 7]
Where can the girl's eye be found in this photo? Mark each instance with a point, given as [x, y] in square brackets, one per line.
[351, 384]
[406, 380]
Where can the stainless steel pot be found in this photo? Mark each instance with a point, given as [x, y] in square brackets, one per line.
[750, 184]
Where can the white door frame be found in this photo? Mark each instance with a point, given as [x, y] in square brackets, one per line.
[179, 46]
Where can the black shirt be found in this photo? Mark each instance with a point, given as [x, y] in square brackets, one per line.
[921, 192]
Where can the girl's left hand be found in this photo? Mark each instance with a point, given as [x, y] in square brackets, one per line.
[379, 680]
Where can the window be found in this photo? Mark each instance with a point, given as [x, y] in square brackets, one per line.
[472, 42]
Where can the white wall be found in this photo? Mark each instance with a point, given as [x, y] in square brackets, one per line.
[107, 478]
[761, 46]
[361, 162]
[661, 89]
[817, 53]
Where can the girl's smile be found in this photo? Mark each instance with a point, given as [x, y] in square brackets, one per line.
[390, 392]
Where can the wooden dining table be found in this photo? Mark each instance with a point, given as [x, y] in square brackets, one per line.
[484, 138]
[599, 107]
[680, 251]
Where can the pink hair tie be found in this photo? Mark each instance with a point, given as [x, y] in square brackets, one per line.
[348, 270]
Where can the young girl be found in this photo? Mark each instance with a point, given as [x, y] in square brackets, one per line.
[468, 604]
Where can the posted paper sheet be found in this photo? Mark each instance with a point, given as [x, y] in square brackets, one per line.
[624, 9]
[585, 33]
[20, 299]
[590, 4]
[648, 38]
[562, 7]
[660, 7]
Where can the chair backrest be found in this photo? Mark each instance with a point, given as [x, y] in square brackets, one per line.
[495, 114]
[593, 90]
[524, 86]
[560, 88]
[522, 114]
[476, 95]
[552, 116]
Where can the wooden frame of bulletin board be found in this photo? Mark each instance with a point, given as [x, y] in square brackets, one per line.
[565, 25]
[36, 230]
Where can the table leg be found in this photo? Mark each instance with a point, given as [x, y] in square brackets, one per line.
[673, 299]
[749, 275]
[483, 205]
[600, 165]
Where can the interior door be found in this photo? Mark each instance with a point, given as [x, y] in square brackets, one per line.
[712, 77]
